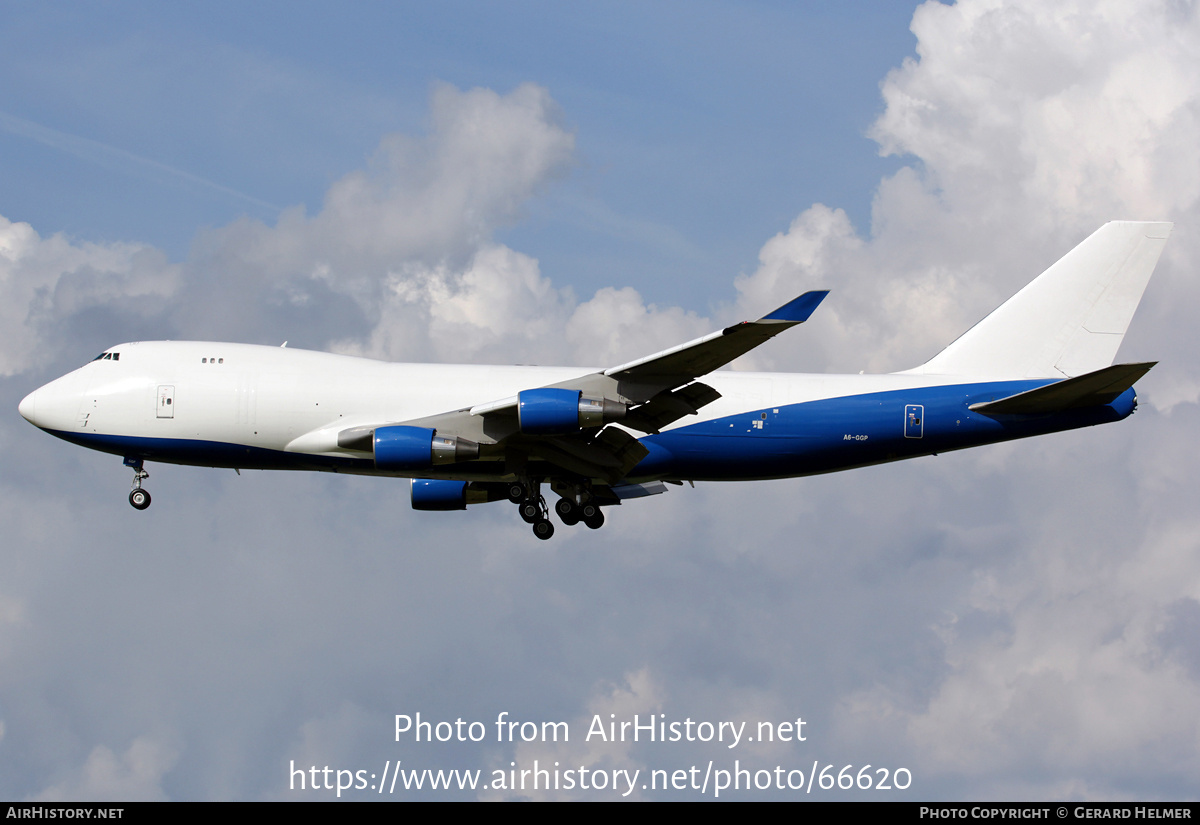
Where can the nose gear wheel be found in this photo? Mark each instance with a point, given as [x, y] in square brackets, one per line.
[138, 498]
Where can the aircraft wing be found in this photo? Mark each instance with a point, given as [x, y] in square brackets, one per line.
[715, 350]
[643, 380]
[564, 424]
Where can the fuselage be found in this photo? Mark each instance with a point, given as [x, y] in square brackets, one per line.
[255, 407]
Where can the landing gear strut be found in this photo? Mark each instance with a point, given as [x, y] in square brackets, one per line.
[532, 507]
[139, 498]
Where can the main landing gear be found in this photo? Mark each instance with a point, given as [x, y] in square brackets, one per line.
[139, 498]
[532, 507]
[572, 513]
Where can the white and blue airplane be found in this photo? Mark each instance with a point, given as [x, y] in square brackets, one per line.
[466, 434]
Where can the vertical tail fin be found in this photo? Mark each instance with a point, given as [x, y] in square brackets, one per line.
[1070, 319]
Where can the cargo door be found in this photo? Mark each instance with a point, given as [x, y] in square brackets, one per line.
[166, 401]
[914, 421]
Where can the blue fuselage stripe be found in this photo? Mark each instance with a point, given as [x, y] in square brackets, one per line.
[774, 442]
[839, 433]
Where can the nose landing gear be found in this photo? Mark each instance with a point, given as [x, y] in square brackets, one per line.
[139, 498]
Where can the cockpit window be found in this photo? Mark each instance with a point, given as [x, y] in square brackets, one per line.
[108, 356]
[101, 355]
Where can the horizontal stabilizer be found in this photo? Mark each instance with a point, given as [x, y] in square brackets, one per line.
[1092, 389]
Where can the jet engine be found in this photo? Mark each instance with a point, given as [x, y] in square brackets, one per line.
[438, 494]
[445, 494]
[553, 411]
[417, 448]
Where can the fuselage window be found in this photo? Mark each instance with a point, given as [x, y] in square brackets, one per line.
[203, 360]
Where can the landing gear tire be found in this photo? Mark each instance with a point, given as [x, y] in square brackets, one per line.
[595, 521]
[139, 498]
[531, 511]
[543, 528]
[590, 511]
[568, 511]
[516, 492]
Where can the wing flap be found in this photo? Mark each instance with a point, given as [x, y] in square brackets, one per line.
[610, 455]
[668, 407]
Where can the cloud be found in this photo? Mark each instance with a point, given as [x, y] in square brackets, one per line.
[52, 291]
[1073, 112]
[106, 776]
[637, 694]
[1029, 126]
[399, 263]
[422, 213]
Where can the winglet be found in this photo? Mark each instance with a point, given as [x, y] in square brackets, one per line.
[797, 310]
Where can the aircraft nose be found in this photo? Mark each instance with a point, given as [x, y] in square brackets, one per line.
[53, 406]
[28, 407]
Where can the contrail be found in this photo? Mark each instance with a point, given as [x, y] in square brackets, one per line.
[102, 154]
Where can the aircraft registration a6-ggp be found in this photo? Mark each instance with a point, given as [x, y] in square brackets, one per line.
[467, 434]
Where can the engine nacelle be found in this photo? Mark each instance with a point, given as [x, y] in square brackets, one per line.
[417, 448]
[438, 494]
[554, 411]
[446, 494]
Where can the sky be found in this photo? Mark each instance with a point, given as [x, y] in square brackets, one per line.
[540, 183]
